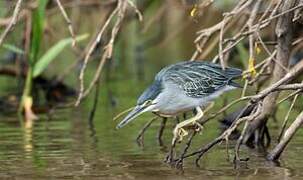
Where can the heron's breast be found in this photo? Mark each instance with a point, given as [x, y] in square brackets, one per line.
[173, 100]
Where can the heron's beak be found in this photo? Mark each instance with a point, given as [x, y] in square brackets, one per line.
[139, 109]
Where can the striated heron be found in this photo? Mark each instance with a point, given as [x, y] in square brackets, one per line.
[182, 87]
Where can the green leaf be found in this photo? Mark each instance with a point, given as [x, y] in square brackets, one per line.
[13, 48]
[52, 53]
[38, 19]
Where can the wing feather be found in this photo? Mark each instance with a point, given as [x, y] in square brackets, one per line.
[198, 79]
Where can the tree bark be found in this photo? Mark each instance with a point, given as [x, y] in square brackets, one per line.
[284, 36]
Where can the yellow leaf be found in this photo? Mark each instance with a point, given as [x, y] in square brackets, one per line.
[193, 12]
[257, 49]
[251, 67]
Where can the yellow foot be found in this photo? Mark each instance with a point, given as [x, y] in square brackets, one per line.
[179, 131]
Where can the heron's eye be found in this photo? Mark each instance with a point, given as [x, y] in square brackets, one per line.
[148, 102]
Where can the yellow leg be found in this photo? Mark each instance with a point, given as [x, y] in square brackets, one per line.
[179, 132]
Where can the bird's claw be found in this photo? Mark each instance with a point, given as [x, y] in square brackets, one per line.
[179, 133]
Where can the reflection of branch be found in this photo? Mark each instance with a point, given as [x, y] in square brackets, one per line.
[92, 114]
[12, 21]
[139, 139]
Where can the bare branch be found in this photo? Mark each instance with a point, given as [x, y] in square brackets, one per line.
[68, 21]
[132, 4]
[90, 51]
[290, 132]
[287, 117]
[12, 21]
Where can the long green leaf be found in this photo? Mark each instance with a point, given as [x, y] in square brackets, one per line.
[13, 48]
[37, 30]
[52, 53]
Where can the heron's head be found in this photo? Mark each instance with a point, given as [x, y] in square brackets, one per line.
[146, 102]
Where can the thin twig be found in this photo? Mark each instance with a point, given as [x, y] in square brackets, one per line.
[12, 21]
[90, 51]
[289, 96]
[68, 21]
[108, 49]
[287, 117]
[220, 138]
[290, 132]
[227, 107]
[132, 4]
[221, 55]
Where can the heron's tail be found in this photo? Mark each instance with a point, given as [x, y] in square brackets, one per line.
[233, 73]
[234, 84]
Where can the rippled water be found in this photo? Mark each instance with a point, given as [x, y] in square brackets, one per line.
[68, 147]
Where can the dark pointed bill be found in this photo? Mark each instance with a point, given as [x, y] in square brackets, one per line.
[132, 115]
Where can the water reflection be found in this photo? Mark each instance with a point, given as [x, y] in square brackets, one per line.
[28, 138]
[66, 147]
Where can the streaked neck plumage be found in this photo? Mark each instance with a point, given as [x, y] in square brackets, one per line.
[151, 93]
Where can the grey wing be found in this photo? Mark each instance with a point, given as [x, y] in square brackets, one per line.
[195, 83]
